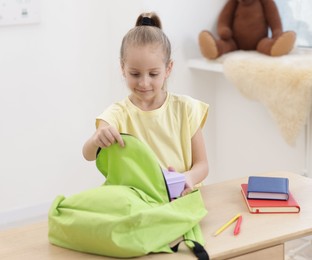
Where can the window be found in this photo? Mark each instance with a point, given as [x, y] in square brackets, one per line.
[296, 15]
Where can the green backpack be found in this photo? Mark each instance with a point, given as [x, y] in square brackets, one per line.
[123, 217]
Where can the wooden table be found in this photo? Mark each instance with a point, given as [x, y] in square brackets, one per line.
[262, 235]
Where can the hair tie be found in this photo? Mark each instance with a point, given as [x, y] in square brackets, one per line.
[148, 21]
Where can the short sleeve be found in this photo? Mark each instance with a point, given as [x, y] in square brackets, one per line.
[110, 115]
[197, 112]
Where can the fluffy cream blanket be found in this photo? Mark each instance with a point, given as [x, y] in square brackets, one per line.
[282, 84]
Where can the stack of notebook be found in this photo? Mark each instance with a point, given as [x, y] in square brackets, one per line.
[269, 195]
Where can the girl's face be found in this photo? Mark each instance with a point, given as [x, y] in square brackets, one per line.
[145, 71]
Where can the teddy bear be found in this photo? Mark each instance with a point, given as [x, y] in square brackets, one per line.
[245, 25]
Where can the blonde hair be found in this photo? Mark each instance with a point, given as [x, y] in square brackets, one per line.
[147, 30]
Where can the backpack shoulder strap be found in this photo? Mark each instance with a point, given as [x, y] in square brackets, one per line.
[198, 249]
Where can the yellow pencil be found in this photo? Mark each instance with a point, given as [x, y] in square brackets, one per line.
[226, 225]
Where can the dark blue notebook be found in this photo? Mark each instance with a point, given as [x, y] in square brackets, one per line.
[270, 188]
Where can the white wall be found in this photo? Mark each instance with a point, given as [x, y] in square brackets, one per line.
[58, 75]
[248, 139]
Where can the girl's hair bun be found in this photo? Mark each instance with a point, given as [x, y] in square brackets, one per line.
[148, 19]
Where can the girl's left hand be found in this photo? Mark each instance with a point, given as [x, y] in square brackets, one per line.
[188, 186]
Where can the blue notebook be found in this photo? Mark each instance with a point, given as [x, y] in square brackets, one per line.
[270, 188]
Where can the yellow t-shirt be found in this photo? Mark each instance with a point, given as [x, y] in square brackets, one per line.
[168, 130]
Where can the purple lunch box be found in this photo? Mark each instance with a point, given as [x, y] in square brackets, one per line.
[175, 182]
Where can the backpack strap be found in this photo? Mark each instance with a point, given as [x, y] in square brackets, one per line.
[198, 249]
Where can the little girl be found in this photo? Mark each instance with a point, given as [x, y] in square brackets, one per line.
[169, 123]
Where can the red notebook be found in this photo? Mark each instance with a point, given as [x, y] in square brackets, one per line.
[270, 206]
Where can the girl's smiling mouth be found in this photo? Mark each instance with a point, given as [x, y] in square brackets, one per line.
[143, 90]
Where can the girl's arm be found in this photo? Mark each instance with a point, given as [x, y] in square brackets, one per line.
[200, 168]
[104, 136]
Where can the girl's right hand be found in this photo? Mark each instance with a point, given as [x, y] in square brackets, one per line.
[106, 135]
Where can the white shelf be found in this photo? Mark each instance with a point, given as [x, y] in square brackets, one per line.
[217, 65]
[205, 64]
